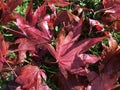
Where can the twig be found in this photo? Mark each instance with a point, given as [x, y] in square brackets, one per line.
[10, 67]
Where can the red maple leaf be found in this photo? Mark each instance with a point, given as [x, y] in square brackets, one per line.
[96, 28]
[33, 36]
[109, 69]
[33, 17]
[112, 11]
[35, 26]
[69, 52]
[24, 46]
[3, 51]
[31, 78]
[70, 81]
[6, 10]
[110, 3]
[66, 18]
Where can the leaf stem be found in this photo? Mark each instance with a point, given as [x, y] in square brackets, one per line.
[10, 67]
[49, 62]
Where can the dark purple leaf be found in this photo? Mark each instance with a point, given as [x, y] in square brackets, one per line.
[109, 69]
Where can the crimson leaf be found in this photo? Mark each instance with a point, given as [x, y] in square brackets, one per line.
[32, 78]
[6, 10]
[69, 52]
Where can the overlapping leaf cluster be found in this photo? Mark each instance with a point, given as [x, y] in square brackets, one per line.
[60, 39]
